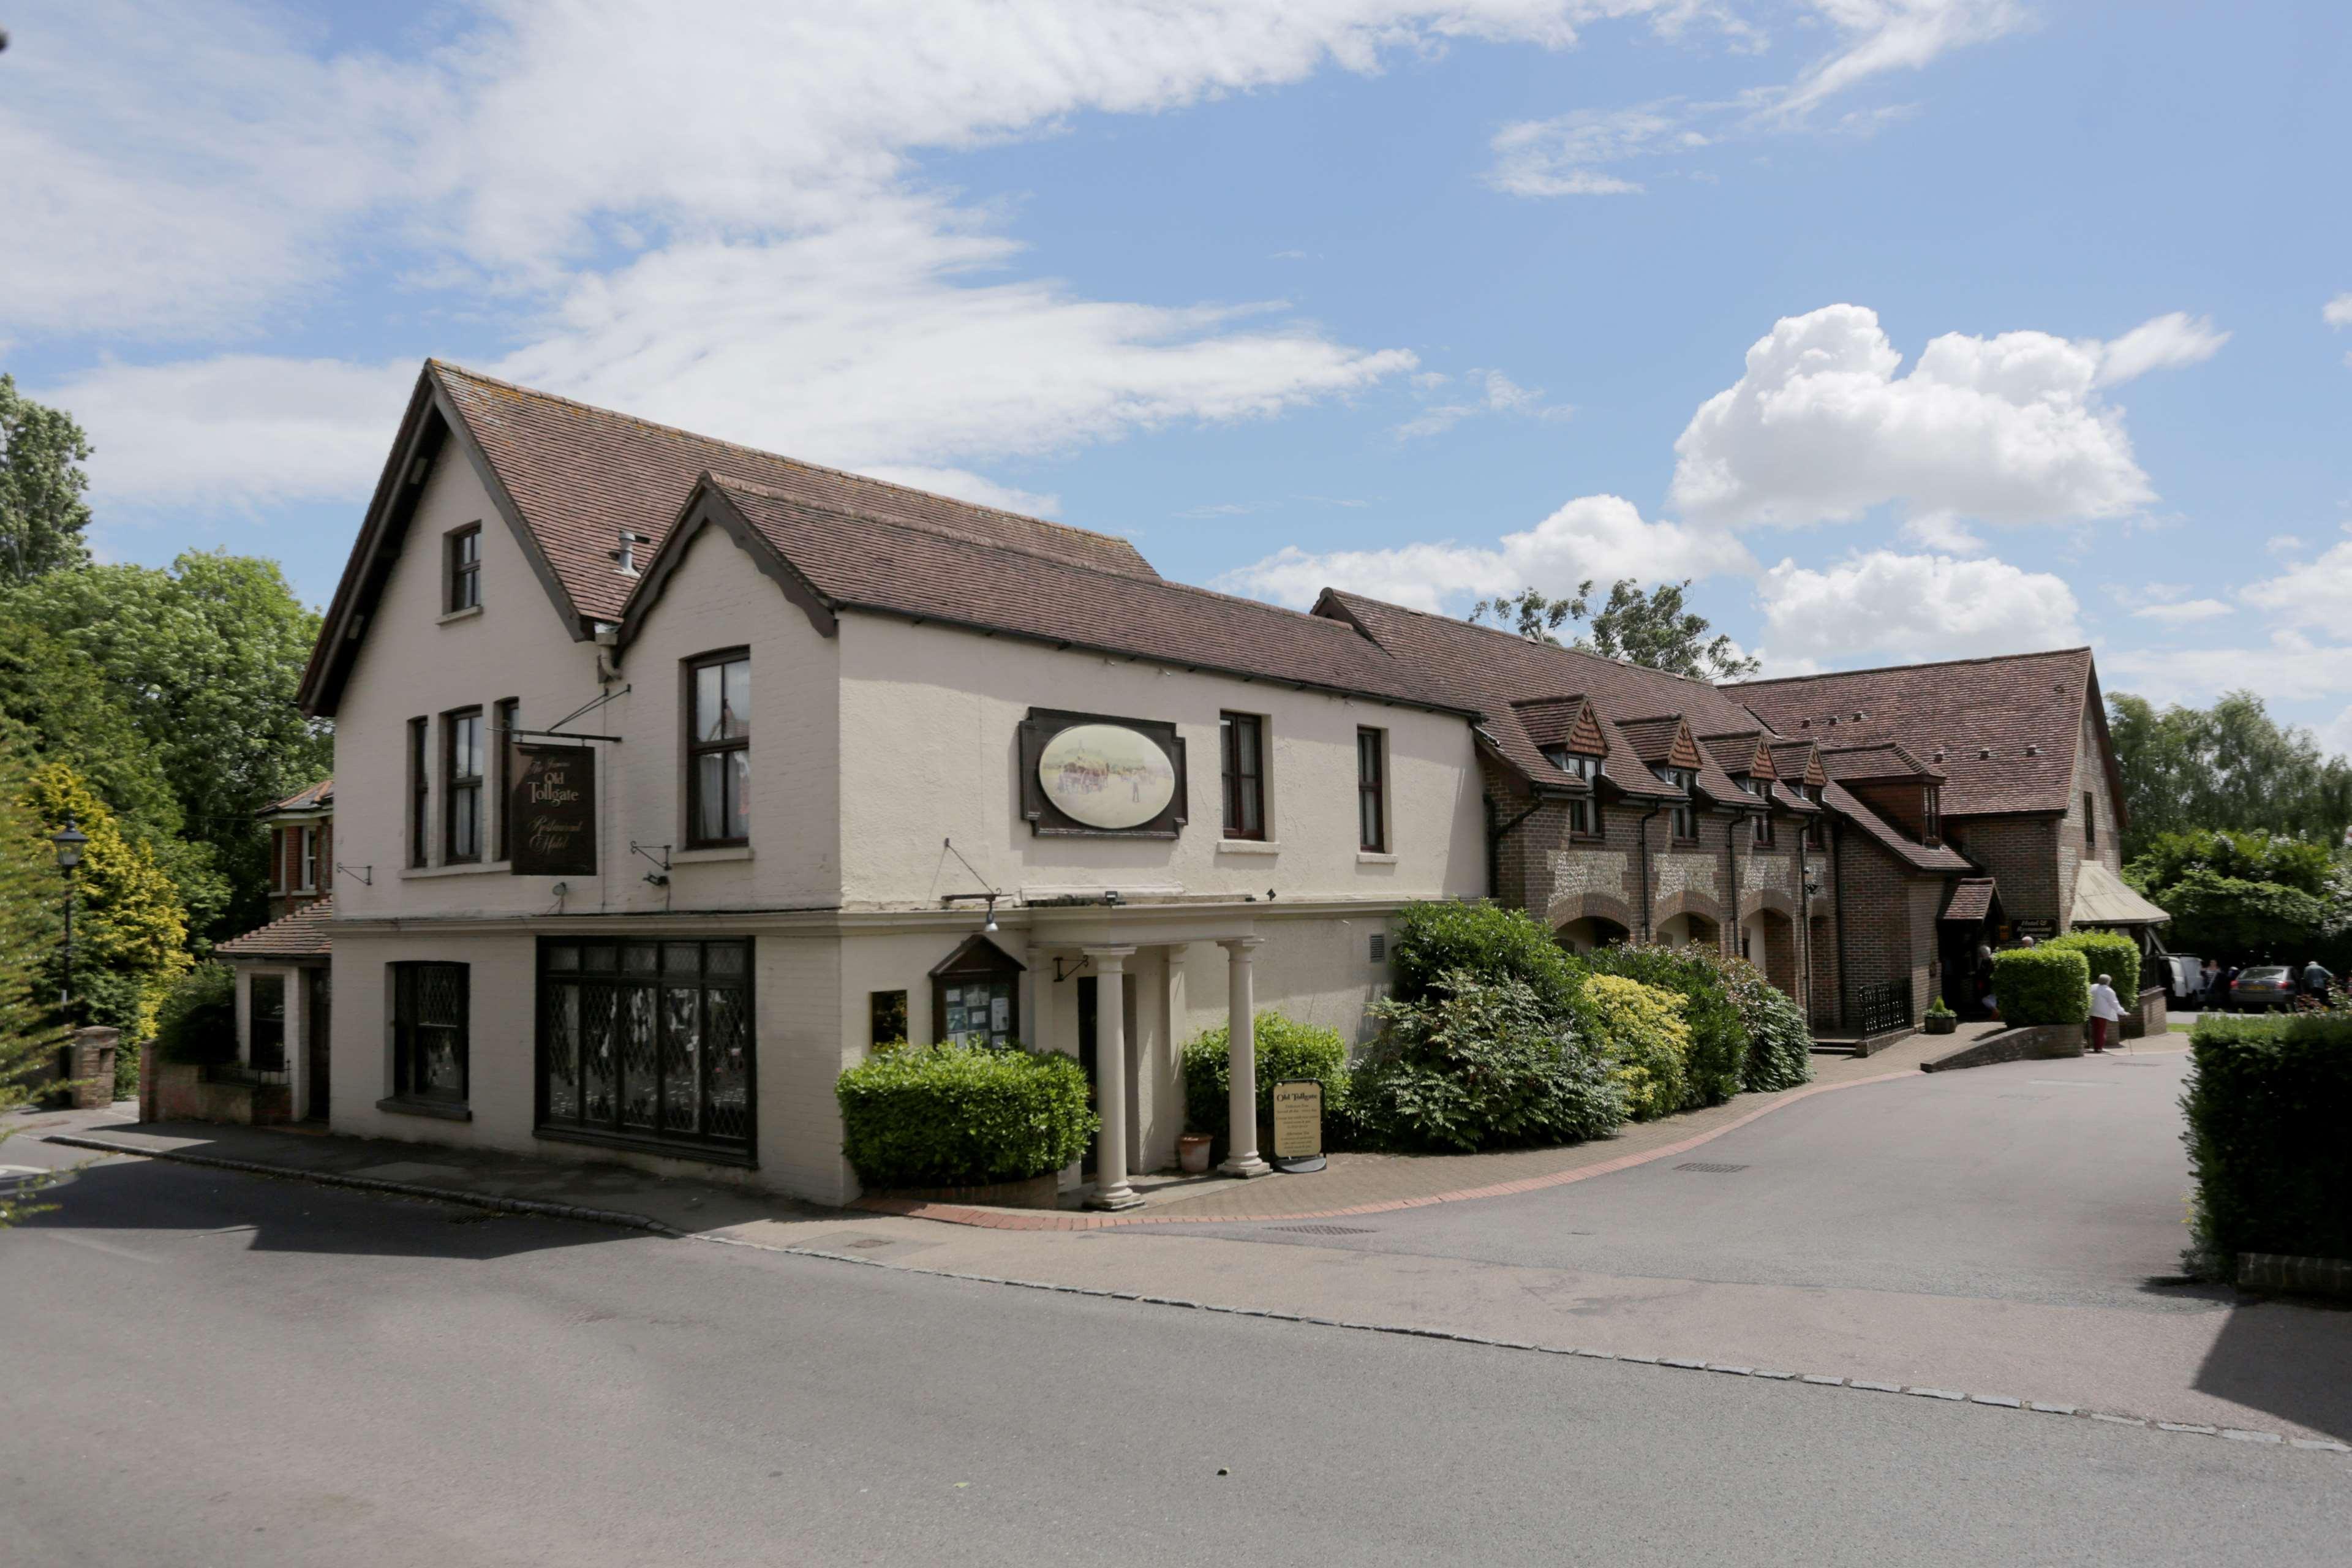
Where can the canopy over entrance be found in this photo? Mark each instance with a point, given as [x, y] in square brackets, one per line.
[2101, 900]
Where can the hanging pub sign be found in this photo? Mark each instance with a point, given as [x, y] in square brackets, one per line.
[552, 811]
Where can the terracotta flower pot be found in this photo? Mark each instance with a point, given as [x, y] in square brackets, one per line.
[1192, 1152]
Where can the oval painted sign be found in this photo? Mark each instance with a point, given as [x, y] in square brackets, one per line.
[1107, 775]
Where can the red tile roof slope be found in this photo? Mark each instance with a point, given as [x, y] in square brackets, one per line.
[1962, 708]
[316, 795]
[577, 473]
[1937, 859]
[302, 934]
[912, 570]
[1971, 899]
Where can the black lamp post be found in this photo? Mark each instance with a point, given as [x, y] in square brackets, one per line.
[68, 844]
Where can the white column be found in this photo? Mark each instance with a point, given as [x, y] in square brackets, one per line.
[1111, 1191]
[1241, 995]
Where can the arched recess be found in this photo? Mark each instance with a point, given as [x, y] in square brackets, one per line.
[1689, 928]
[1768, 939]
[1588, 931]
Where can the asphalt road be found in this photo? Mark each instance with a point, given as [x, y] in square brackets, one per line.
[2062, 1183]
[213, 1369]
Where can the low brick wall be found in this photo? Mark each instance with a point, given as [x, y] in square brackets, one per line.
[2304, 1276]
[2026, 1042]
[2149, 1018]
[176, 1091]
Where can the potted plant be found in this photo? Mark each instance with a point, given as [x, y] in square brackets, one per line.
[1192, 1152]
[1940, 1019]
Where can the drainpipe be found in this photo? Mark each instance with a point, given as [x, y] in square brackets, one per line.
[1804, 931]
[1731, 843]
[1837, 891]
[1641, 838]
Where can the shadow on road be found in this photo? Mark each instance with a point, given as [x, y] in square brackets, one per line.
[2292, 1359]
[155, 1196]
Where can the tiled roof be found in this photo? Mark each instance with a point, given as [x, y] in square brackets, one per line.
[1971, 899]
[1963, 709]
[302, 934]
[578, 473]
[1880, 760]
[321, 794]
[913, 570]
[1926, 858]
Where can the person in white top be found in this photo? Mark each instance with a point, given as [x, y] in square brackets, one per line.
[2105, 1008]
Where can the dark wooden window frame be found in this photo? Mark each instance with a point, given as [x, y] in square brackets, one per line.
[461, 569]
[883, 1010]
[612, 1131]
[1683, 814]
[976, 959]
[694, 749]
[455, 785]
[1762, 790]
[1583, 812]
[2090, 820]
[1817, 829]
[420, 793]
[505, 714]
[1931, 808]
[275, 1058]
[1372, 789]
[1242, 788]
[406, 979]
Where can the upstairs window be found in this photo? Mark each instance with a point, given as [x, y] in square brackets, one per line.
[420, 794]
[464, 575]
[1762, 790]
[1683, 815]
[2090, 822]
[1242, 738]
[1932, 816]
[305, 844]
[461, 755]
[1372, 789]
[718, 749]
[1581, 811]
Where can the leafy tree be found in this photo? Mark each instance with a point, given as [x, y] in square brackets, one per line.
[130, 931]
[42, 514]
[1649, 627]
[29, 918]
[2231, 766]
[2252, 855]
[205, 659]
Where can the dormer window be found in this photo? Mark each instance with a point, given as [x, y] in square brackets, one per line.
[1817, 831]
[1583, 814]
[1683, 815]
[1762, 790]
[1932, 817]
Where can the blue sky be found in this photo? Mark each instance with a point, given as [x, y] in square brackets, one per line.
[1908, 328]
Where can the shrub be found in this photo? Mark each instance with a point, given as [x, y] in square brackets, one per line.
[2108, 953]
[1718, 1045]
[1638, 1030]
[1937, 1009]
[949, 1116]
[1476, 1063]
[196, 1022]
[1285, 1048]
[2041, 986]
[2267, 1103]
[1779, 1046]
[1432, 940]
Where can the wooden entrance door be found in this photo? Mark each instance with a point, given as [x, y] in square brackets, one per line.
[318, 1039]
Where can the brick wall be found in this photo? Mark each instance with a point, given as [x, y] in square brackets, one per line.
[2022, 854]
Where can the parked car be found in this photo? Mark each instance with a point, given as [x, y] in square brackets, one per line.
[2262, 989]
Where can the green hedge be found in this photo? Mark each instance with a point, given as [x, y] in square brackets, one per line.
[2268, 1103]
[1432, 940]
[952, 1116]
[196, 1022]
[2108, 953]
[2041, 986]
[1285, 1048]
[1718, 1049]
[1638, 1030]
[1779, 1046]
[1476, 1063]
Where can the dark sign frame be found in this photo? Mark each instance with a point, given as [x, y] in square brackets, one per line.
[1048, 820]
[551, 820]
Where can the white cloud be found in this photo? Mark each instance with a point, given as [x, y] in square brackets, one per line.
[1598, 537]
[2312, 593]
[2284, 544]
[2337, 312]
[1562, 156]
[235, 428]
[2184, 613]
[1895, 35]
[1891, 607]
[2163, 344]
[2293, 668]
[2006, 429]
[2335, 735]
[965, 485]
[1491, 392]
[1941, 532]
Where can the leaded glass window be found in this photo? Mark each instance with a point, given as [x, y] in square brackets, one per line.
[647, 1043]
[430, 1049]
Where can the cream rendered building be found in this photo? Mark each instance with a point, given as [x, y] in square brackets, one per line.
[826, 710]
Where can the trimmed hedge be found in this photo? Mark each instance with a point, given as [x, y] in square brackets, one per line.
[2108, 953]
[196, 1022]
[1432, 939]
[2041, 986]
[954, 1116]
[1779, 1046]
[2268, 1103]
[1285, 1048]
[1718, 1045]
[1477, 1063]
[1638, 1030]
